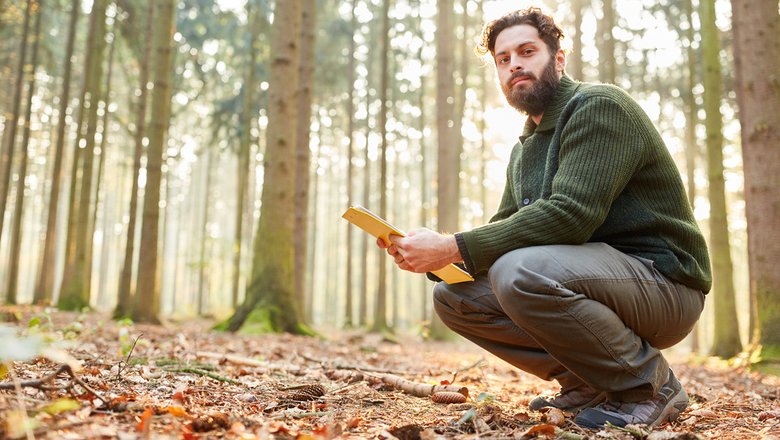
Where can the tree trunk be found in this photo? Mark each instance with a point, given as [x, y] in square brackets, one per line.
[44, 287]
[757, 57]
[448, 163]
[147, 303]
[125, 293]
[348, 305]
[204, 261]
[303, 155]
[244, 162]
[12, 123]
[606, 43]
[380, 307]
[101, 166]
[726, 341]
[270, 298]
[574, 60]
[16, 232]
[74, 293]
[366, 244]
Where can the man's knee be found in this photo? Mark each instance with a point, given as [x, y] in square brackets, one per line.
[523, 270]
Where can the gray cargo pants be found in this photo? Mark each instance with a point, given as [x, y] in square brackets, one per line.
[586, 314]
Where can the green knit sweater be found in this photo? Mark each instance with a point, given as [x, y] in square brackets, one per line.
[594, 170]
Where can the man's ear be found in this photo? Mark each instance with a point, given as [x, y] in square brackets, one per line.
[560, 61]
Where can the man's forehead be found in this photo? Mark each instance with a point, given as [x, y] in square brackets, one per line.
[516, 35]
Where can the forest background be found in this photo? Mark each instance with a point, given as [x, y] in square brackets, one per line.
[172, 159]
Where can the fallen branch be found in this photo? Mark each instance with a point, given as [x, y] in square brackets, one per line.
[397, 382]
[233, 359]
[201, 372]
[338, 366]
[46, 383]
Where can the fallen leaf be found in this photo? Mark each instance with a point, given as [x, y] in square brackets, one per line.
[554, 417]
[143, 422]
[354, 422]
[703, 412]
[543, 429]
[60, 406]
[766, 415]
[177, 411]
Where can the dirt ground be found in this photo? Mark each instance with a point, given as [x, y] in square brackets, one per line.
[184, 381]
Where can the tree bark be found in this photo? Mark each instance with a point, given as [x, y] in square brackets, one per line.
[244, 162]
[380, 307]
[348, 305]
[270, 298]
[125, 293]
[303, 155]
[16, 232]
[726, 341]
[44, 287]
[606, 43]
[757, 56]
[74, 293]
[447, 132]
[146, 306]
[12, 123]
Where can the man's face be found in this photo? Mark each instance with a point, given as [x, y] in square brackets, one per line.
[528, 75]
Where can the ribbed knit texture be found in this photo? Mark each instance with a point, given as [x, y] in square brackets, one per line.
[594, 170]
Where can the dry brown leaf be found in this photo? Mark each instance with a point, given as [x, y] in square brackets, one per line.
[554, 416]
[144, 421]
[354, 422]
[543, 429]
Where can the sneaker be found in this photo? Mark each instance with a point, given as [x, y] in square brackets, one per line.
[667, 405]
[569, 400]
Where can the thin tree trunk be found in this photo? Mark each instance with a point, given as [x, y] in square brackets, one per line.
[125, 294]
[348, 306]
[726, 341]
[204, 262]
[380, 308]
[12, 123]
[245, 147]
[607, 67]
[303, 155]
[44, 287]
[147, 303]
[574, 62]
[448, 163]
[74, 293]
[16, 232]
[101, 165]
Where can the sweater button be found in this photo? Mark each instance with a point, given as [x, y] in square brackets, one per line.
[526, 201]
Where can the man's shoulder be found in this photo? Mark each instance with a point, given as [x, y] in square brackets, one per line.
[586, 90]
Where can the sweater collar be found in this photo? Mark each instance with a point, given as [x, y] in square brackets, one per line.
[566, 89]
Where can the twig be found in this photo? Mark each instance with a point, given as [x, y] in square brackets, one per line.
[302, 415]
[238, 360]
[350, 367]
[43, 383]
[202, 373]
[480, 362]
[397, 382]
[122, 364]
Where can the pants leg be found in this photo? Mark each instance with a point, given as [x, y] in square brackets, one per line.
[473, 311]
[576, 313]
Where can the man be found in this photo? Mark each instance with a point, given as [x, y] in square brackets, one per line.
[593, 262]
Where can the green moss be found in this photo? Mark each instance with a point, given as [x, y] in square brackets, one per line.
[768, 360]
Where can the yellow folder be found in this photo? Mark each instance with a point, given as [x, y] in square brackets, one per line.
[380, 228]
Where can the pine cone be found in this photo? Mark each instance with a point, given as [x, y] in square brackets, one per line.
[448, 397]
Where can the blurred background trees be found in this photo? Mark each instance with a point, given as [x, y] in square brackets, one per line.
[194, 157]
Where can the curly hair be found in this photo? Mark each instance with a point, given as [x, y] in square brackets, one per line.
[550, 33]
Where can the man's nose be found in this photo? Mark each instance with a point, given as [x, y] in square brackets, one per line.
[515, 63]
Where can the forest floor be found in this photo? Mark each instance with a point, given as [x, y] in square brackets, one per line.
[183, 381]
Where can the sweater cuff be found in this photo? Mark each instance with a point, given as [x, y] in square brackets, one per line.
[464, 253]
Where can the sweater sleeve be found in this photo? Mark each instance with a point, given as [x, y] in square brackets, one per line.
[601, 146]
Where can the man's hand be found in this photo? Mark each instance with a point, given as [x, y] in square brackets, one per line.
[422, 250]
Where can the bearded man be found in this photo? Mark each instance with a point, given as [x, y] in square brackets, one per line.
[593, 262]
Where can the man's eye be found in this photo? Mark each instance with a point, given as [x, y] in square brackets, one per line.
[503, 60]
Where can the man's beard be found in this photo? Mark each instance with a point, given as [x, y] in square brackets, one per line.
[534, 99]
